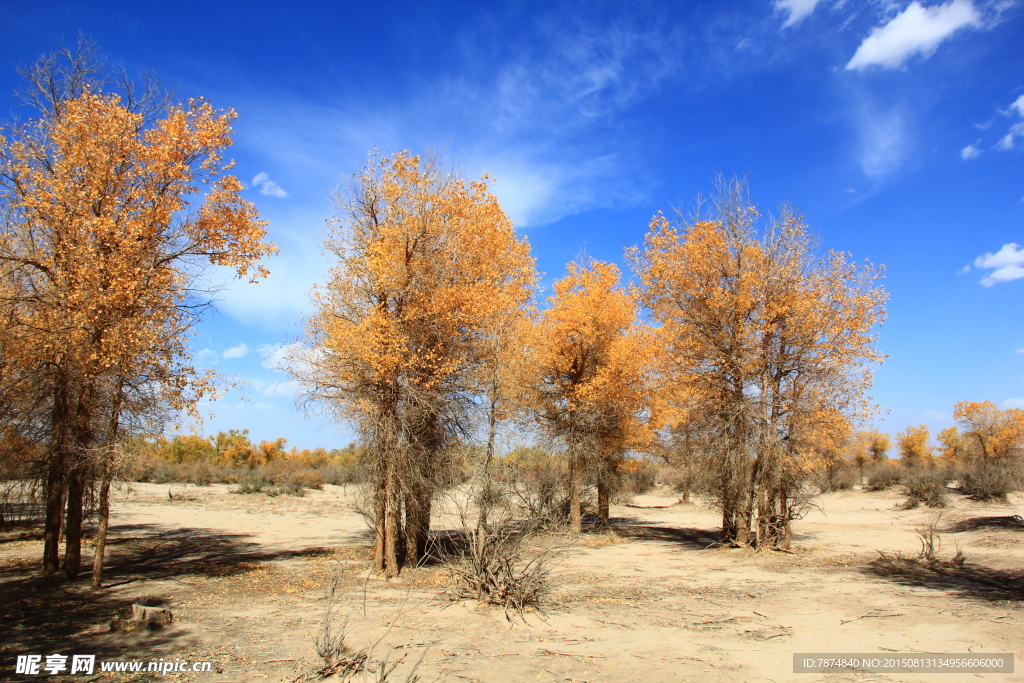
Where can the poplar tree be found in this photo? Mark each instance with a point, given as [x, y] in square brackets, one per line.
[767, 348]
[427, 266]
[112, 205]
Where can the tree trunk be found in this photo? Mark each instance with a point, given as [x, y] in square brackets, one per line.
[417, 525]
[104, 519]
[603, 477]
[379, 519]
[73, 529]
[54, 494]
[391, 505]
[575, 497]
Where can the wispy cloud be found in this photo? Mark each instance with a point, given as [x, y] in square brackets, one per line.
[268, 187]
[285, 389]
[797, 10]
[276, 356]
[917, 30]
[969, 152]
[239, 351]
[205, 355]
[884, 139]
[1016, 131]
[545, 119]
[278, 301]
[1013, 403]
[1006, 264]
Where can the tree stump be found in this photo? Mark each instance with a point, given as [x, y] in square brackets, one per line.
[151, 616]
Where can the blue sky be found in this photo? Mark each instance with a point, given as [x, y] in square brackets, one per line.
[896, 128]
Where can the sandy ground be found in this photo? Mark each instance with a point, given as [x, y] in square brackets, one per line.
[246, 577]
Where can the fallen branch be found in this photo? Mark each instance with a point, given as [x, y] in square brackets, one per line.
[571, 654]
[869, 615]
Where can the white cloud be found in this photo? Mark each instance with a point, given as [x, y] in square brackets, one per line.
[1013, 403]
[278, 301]
[798, 10]
[916, 30]
[1009, 141]
[1018, 105]
[884, 140]
[1006, 264]
[545, 122]
[205, 355]
[239, 351]
[969, 152]
[275, 356]
[268, 187]
[287, 389]
[1006, 142]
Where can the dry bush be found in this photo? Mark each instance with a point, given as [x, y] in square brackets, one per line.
[538, 488]
[634, 477]
[501, 560]
[833, 475]
[929, 552]
[339, 475]
[498, 565]
[20, 502]
[990, 478]
[924, 487]
[883, 476]
[340, 662]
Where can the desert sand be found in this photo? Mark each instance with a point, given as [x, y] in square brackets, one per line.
[246, 577]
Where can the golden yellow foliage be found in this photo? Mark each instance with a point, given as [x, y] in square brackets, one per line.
[428, 269]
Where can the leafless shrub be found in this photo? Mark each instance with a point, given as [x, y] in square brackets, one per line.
[929, 552]
[538, 490]
[336, 658]
[924, 487]
[500, 560]
[835, 475]
[633, 477]
[180, 493]
[340, 662]
[883, 476]
[19, 502]
[990, 478]
[931, 543]
[499, 567]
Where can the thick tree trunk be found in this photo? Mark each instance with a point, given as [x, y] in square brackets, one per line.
[417, 525]
[73, 528]
[391, 524]
[54, 495]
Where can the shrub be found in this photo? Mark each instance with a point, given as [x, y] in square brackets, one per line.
[539, 489]
[637, 476]
[924, 487]
[350, 473]
[990, 479]
[883, 476]
[834, 475]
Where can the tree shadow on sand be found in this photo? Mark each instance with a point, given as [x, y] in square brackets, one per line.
[967, 581]
[55, 613]
[1007, 523]
[685, 537]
